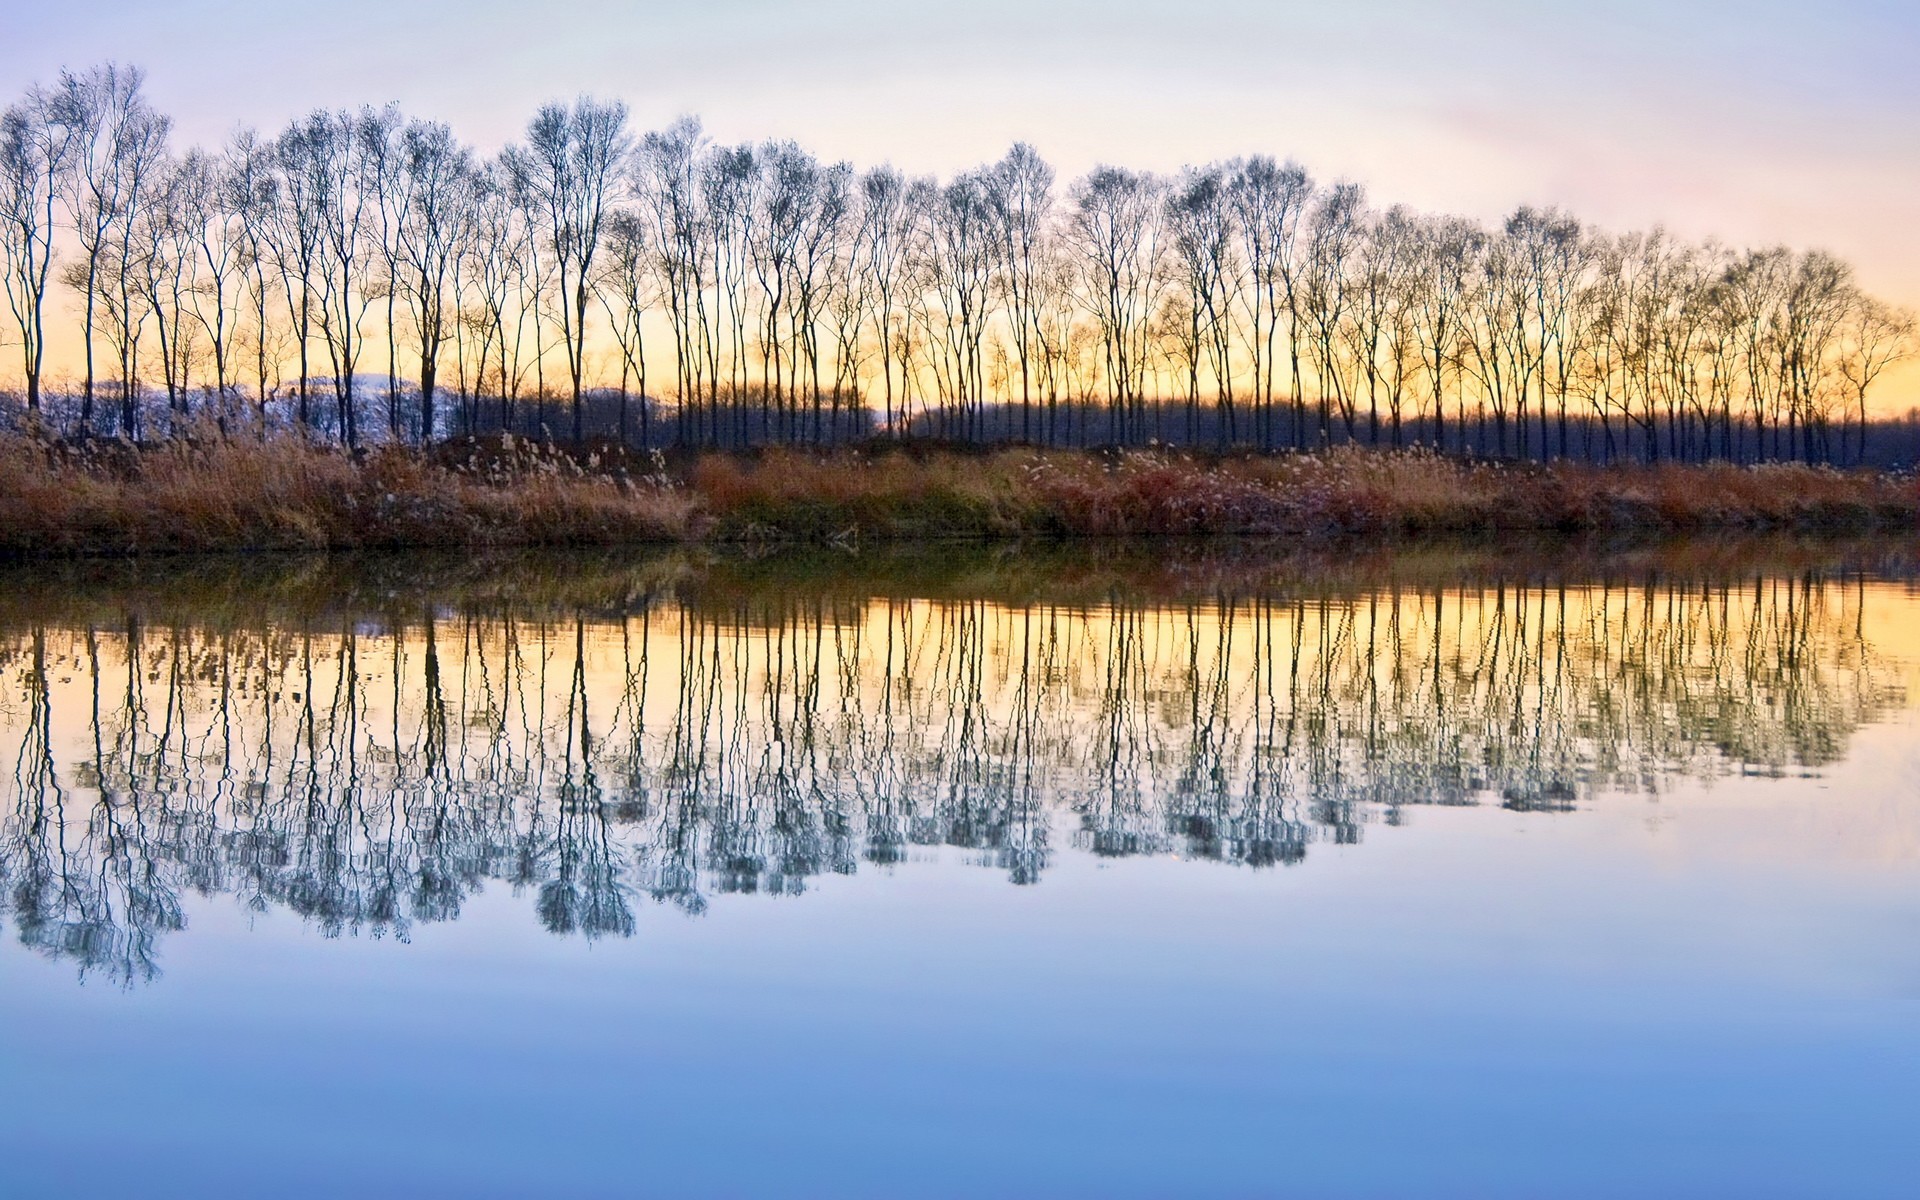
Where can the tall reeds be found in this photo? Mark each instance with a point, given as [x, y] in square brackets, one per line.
[221, 493]
[211, 492]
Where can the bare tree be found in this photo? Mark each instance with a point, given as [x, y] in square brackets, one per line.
[962, 242]
[166, 267]
[212, 235]
[382, 165]
[627, 291]
[881, 246]
[437, 203]
[571, 172]
[503, 270]
[340, 162]
[253, 197]
[1270, 200]
[1118, 223]
[1379, 330]
[818, 269]
[729, 177]
[1334, 233]
[37, 145]
[1447, 255]
[1817, 301]
[1204, 232]
[1876, 335]
[292, 222]
[1751, 290]
[667, 179]
[1020, 189]
[117, 140]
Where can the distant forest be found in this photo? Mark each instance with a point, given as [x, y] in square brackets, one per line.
[364, 276]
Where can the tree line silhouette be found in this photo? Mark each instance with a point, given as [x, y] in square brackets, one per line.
[369, 770]
[365, 275]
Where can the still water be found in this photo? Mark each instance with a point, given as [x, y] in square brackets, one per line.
[1178, 871]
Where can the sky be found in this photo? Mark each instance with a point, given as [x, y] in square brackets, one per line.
[1757, 123]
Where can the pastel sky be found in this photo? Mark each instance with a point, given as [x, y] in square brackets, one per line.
[1758, 122]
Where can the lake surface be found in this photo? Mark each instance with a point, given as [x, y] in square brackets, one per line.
[1179, 870]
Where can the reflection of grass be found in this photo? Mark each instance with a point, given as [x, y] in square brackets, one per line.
[765, 583]
[214, 493]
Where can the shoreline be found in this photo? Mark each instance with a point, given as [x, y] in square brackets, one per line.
[222, 495]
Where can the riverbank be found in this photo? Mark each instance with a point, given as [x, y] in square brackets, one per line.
[284, 493]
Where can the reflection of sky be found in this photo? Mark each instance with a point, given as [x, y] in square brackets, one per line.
[1681, 997]
[1756, 122]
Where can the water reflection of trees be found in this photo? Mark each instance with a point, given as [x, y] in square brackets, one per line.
[370, 775]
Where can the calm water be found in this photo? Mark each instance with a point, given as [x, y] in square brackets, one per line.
[1195, 871]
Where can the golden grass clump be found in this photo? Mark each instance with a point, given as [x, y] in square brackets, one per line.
[285, 492]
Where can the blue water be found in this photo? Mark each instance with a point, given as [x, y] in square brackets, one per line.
[1484, 1005]
[1709, 989]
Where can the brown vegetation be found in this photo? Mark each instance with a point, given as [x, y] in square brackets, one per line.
[214, 493]
[218, 493]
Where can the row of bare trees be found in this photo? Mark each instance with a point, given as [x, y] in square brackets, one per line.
[343, 275]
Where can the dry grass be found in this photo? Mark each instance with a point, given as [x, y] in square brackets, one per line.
[285, 493]
[794, 496]
[214, 493]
